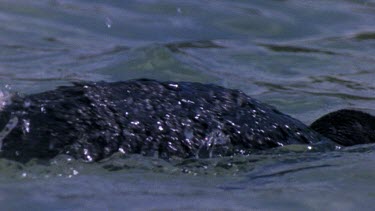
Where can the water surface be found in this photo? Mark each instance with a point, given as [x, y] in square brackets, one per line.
[307, 58]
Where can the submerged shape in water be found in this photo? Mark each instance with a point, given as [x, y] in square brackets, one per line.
[91, 121]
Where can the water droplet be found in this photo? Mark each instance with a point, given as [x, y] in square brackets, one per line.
[42, 109]
[27, 103]
[187, 101]
[121, 150]
[173, 85]
[26, 125]
[108, 22]
[75, 172]
[232, 123]
[170, 145]
[135, 122]
[89, 158]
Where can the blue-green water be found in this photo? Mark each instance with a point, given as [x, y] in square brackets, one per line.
[306, 57]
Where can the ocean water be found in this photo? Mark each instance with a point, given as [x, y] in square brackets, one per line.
[305, 57]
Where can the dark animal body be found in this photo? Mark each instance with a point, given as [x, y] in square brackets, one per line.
[91, 121]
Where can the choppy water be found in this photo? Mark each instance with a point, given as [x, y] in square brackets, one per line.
[304, 57]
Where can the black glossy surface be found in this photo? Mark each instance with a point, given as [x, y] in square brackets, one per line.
[94, 120]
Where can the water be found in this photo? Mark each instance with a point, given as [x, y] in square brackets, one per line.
[307, 58]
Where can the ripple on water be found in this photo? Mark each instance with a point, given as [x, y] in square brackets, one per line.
[304, 57]
[239, 165]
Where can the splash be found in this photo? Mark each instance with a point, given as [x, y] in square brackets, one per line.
[5, 99]
[7, 129]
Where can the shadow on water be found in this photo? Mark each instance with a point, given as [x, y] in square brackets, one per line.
[205, 44]
[365, 36]
[295, 49]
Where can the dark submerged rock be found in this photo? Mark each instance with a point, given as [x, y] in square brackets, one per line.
[91, 121]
